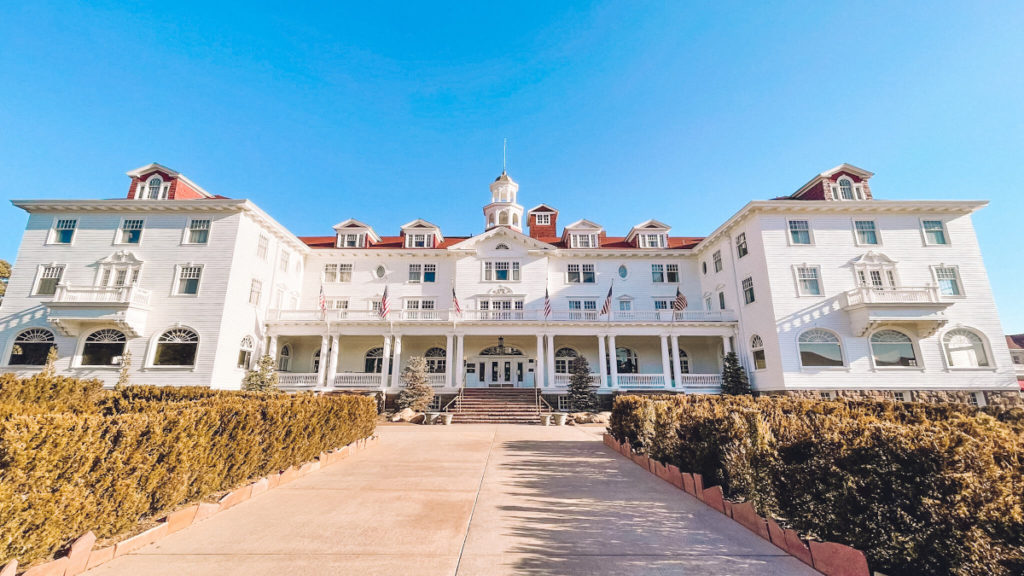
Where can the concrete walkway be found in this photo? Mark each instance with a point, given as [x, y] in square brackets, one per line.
[468, 500]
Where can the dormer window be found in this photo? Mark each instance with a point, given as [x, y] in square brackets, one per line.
[846, 189]
[351, 240]
[418, 241]
[542, 219]
[583, 241]
[155, 189]
[653, 241]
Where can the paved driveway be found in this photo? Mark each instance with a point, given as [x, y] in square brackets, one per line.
[467, 500]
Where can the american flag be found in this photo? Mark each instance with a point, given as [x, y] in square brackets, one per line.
[323, 299]
[607, 308]
[384, 307]
[679, 304]
[547, 304]
[455, 303]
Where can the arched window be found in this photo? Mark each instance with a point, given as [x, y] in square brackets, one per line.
[284, 359]
[490, 221]
[515, 219]
[155, 184]
[625, 359]
[757, 347]
[503, 218]
[892, 348]
[564, 358]
[820, 348]
[31, 347]
[316, 361]
[245, 352]
[436, 361]
[501, 351]
[373, 362]
[104, 348]
[176, 347]
[501, 246]
[846, 188]
[964, 349]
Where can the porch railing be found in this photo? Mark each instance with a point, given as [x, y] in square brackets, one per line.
[562, 380]
[357, 380]
[704, 382]
[298, 379]
[642, 381]
[436, 380]
[445, 315]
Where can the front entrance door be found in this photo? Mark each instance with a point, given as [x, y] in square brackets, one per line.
[502, 371]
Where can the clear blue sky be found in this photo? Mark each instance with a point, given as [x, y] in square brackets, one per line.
[615, 111]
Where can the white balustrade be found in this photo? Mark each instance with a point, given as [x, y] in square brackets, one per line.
[643, 381]
[445, 315]
[562, 380]
[102, 294]
[298, 379]
[357, 380]
[436, 380]
[873, 295]
[709, 381]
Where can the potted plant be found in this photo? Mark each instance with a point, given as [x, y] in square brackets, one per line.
[545, 419]
[446, 418]
[559, 418]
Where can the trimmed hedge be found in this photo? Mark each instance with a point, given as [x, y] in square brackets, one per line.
[141, 452]
[920, 488]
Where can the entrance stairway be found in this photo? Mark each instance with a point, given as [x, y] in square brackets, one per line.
[496, 406]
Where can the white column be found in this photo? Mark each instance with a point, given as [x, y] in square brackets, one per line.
[602, 360]
[613, 362]
[449, 354]
[551, 359]
[396, 351]
[333, 357]
[325, 349]
[665, 360]
[384, 362]
[459, 362]
[726, 345]
[675, 361]
[272, 351]
[539, 365]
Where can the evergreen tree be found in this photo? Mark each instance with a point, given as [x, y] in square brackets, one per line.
[582, 390]
[417, 393]
[263, 378]
[5, 273]
[50, 368]
[126, 363]
[734, 377]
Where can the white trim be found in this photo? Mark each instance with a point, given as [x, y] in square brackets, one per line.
[924, 234]
[117, 231]
[188, 231]
[914, 343]
[856, 236]
[789, 232]
[959, 281]
[178, 268]
[812, 369]
[51, 237]
[799, 286]
[985, 344]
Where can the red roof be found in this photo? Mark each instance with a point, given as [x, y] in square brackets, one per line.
[609, 242]
[1015, 341]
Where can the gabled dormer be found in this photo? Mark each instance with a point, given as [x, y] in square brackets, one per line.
[583, 234]
[156, 182]
[421, 234]
[543, 221]
[649, 234]
[845, 183]
[354, 234]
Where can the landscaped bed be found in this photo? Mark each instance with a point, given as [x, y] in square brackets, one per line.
[75, 458]
[920, 488]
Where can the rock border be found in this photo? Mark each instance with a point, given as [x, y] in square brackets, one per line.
[81, 556]
[829, 558]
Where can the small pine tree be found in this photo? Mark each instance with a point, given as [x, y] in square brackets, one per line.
[417, 393]
[263, 378]
[734, 377]
[123, 379]
[582, 391]
[50, 369]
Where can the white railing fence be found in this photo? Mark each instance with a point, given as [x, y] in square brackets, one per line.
[357, 380]
[872, 295]
[113, 294]
[652, 381]
[298, 379]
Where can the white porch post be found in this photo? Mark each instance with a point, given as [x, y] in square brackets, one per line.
[666, 366]
[384, 362]
[550, 357]
[459, 363]
[675, 361]
[726, 345]
[602, 360]
[448, 355]
[321, 376]
[333, 357]
[538, 370]
[613, 361]
[273, 349]
[396, 351]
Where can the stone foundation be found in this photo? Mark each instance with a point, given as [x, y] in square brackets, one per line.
[998, 399]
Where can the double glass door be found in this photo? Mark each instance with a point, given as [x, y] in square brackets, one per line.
[501, 372]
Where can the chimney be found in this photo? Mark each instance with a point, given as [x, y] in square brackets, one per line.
[548, 226]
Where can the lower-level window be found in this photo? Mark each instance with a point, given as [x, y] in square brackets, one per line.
[892, 349]
[176, 347]
[437, 363]
[373, 361]
[245, 352]
[564, 403]
[31, 347]
[964, 349]
[626, 361]
[820, 348]
[757, 347]
[104, 348]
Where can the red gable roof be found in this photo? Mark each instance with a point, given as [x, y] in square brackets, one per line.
[609, 242]
[1015, 341]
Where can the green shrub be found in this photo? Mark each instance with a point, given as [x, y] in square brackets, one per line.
[50, 393]
[920, 488]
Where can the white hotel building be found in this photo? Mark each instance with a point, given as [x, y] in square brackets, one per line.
[827, 291]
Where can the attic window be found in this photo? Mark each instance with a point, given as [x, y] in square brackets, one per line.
[351, 240]
[501, 247]
[846, 189]
[652, 241]
[583, 240]
[542, 219]
[417, 240]
[155, 189]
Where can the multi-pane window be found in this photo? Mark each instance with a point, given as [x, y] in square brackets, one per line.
[583, 240]
[716, 259]
[820, 348]
[501, 271]
[934, 232]
[625, 305]
[949, 280]
[419, 309]
[542, 219]
[748, 290]
[672, 273]
[188, 279]
[665, 273]
[581, 274]
[198, 231]
[799, 232]
[263, 247]
[866, 232]
[415, 273]
[285, 260]
[809, 280]
[579, 309]
[707, 303]
[741, 245]
[846, 189]
[757, 348]
[255, 290]
[64, 231]
[351, 240]
[899, 396]
[657, 272]
[49, 280]
[721, 301]
[429, 272]
[652, 241]
[131, 232]
[662, 304]
[417, 241]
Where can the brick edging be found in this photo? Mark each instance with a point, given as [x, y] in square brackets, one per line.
[82, 557]
[829, 558]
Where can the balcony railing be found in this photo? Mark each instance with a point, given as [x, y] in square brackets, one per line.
[436, 380]
[872, 295]
[132, 295]
[660, 316]
[357, 380]
[562, 380]
[298, 379]
[641, 381]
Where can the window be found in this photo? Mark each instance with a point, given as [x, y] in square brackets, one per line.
[501, 271]
[155, 186]
[684, 362]
[976, 399]
[284, 261]
[704, 267]
[542, 219]
[380, 271]
[31, 347]
[625, 305]
[130, 232]
[949, 281]
[623, 271]
[583, 241]
[826, 395]
[435, 403]
[417, 241]
[198, 232]
[104, 348]
[337, 273]
[934, 232]
[820, 348]
[564, 360]
[672, 273]
[351, 240]
[581, 273]
[415, 273]
[964, 349]
[419, 309]
[657, 272]
[716, 258]
[721, 301]
[653, 241]
[890, 348]
[582, 309]
[48, 280]
[263, 247]
[707, 303]
[757, 347]
[846, 189]
[662, 304]
[188, 279]
[748, 290]
[867, 233]
[255, 290]
[808, 280]
[741, 245]
[176, 347]
[429, 272]
[436, 360]
[625, 360]
[245, 352]
[284, 359]
[64, 231]
[564, 403]
[799, 232]
[899, 396]
[373, 361]
[502, 246]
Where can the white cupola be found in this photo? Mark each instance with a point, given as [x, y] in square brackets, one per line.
[503, 209]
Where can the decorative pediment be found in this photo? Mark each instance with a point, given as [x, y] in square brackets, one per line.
[500, 234]
[353, 226]
[648, 227]
[872, 258]
[500, 291]
[542, 208]
[121, 257]
[583, 225]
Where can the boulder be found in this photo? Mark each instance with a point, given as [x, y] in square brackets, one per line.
[404, 415]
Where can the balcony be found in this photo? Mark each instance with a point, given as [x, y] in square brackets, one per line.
[297, 380]
[918, 309]
[77, 308]
[445, 316]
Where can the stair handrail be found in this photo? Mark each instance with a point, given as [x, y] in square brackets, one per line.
[540, 399]
[456, 400]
